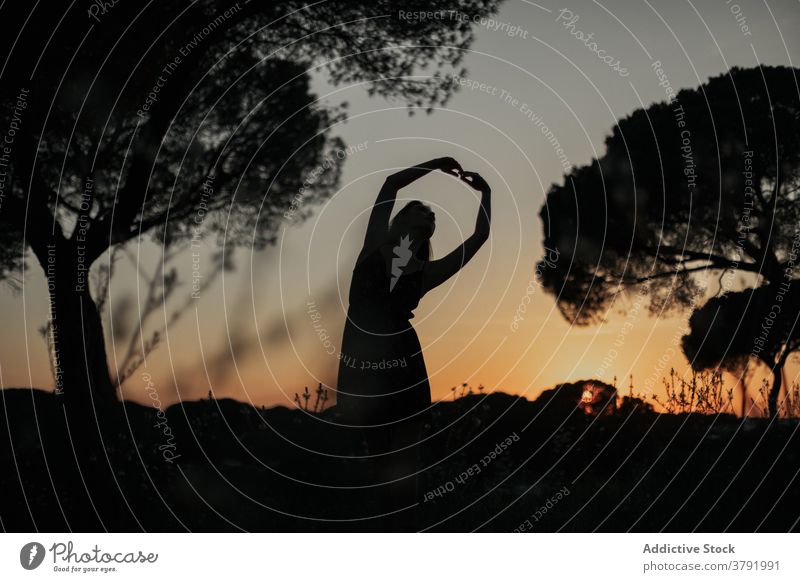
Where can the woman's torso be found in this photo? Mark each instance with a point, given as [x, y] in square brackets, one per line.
[384, 293]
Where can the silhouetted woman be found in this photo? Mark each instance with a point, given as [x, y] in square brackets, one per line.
[383, 383]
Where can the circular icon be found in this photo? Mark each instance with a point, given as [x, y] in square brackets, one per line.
[31, 555]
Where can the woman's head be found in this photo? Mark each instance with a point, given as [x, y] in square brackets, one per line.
[416, 219]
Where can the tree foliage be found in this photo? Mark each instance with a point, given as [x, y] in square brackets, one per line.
[706, 183]
[167, 108]
[760, 323]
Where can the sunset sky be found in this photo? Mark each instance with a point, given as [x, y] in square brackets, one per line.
[251, 336]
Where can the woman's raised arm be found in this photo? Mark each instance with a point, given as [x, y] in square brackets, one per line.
[439, 271]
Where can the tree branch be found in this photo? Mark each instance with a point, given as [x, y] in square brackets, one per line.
[678, 272]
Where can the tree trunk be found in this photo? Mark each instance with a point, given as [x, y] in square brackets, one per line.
[90, 405]
[77, 338]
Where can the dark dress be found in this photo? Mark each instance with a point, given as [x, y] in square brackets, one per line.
[382, 374]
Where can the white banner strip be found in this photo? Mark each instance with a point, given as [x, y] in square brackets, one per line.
[399, 557]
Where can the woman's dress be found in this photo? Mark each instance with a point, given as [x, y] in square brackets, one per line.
[382, 375]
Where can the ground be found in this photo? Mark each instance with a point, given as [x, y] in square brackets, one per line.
[491, 462]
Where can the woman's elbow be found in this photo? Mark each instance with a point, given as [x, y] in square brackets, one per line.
[481, 235]
[392, 182]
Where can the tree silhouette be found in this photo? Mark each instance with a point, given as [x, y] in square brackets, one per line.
[668, 199]
[731, 329]
[177, 120]
[688, 192]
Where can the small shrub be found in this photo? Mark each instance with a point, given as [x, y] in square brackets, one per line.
[704, 393]
[321, 400]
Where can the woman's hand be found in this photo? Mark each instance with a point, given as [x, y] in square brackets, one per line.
[449, 166]
[475, 181]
